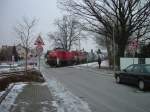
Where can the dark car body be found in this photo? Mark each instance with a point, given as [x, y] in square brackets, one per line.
[136, 74]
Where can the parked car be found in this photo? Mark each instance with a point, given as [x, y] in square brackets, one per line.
[137, 74]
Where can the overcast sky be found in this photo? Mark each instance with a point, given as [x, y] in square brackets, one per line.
[46, 11]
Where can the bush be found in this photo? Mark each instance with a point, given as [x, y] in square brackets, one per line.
[32, 76]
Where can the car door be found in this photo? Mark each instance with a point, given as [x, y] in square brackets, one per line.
[145, 74]
[126, 75]
[136, 71]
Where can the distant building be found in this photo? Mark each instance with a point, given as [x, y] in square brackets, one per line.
[21, 51]
[8, 53]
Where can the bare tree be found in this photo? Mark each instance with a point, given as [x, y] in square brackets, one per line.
[124, 16]
[24, 31]
[67, 34]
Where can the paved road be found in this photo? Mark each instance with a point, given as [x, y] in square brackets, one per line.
[101, 92]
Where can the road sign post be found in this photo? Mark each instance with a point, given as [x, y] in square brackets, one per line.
[39, 49]
[39, 58]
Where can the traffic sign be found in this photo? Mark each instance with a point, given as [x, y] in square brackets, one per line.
[39, 41]
[134, 44]
[39, 50]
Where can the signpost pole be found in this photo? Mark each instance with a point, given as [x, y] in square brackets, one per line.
[39, 62]
[114, 48]
[39, 49]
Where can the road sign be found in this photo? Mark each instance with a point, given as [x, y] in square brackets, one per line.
[39, 41]
[134, 44]
[39, 50]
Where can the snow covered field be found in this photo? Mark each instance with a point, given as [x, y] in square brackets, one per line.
[14, 69]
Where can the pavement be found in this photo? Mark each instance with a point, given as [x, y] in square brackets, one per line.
[32, 97]
[93, 67]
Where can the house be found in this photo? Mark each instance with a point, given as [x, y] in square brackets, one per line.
[8, 53]
[21, 51]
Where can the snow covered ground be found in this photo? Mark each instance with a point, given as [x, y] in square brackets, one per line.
[1, 93]
[65, 101]
[16, 66]
[8, 69]
[10, 98]
[95, 64]
[93, 67]
[3, 70]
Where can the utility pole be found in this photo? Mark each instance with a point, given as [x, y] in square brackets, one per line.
[79, 44]
[114, 48]
[87, 53]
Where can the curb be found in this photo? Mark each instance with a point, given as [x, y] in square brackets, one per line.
[3, 96]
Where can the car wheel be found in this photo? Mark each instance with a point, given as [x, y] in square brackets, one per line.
[141, 85]
[118, 79]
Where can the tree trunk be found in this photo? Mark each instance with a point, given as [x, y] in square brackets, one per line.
[26, 61]
[109, 51]
[109, 56]
[120, 53]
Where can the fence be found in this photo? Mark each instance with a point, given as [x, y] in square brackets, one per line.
[124, 62]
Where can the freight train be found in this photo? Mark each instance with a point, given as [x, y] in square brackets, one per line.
[59, 57]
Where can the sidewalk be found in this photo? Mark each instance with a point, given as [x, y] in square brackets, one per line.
[94, 67]
[104, 64]
[32, 97]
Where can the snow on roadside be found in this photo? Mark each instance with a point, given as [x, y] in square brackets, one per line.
[94, 64]
[17, 69]
[1, 93]
[65, 101]
[10, 98]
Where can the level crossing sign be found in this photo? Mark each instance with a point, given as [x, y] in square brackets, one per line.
[39, 45]
[39, 50]
[134, 44]
[39, 41]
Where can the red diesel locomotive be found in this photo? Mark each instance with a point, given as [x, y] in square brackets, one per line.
[60, 57]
